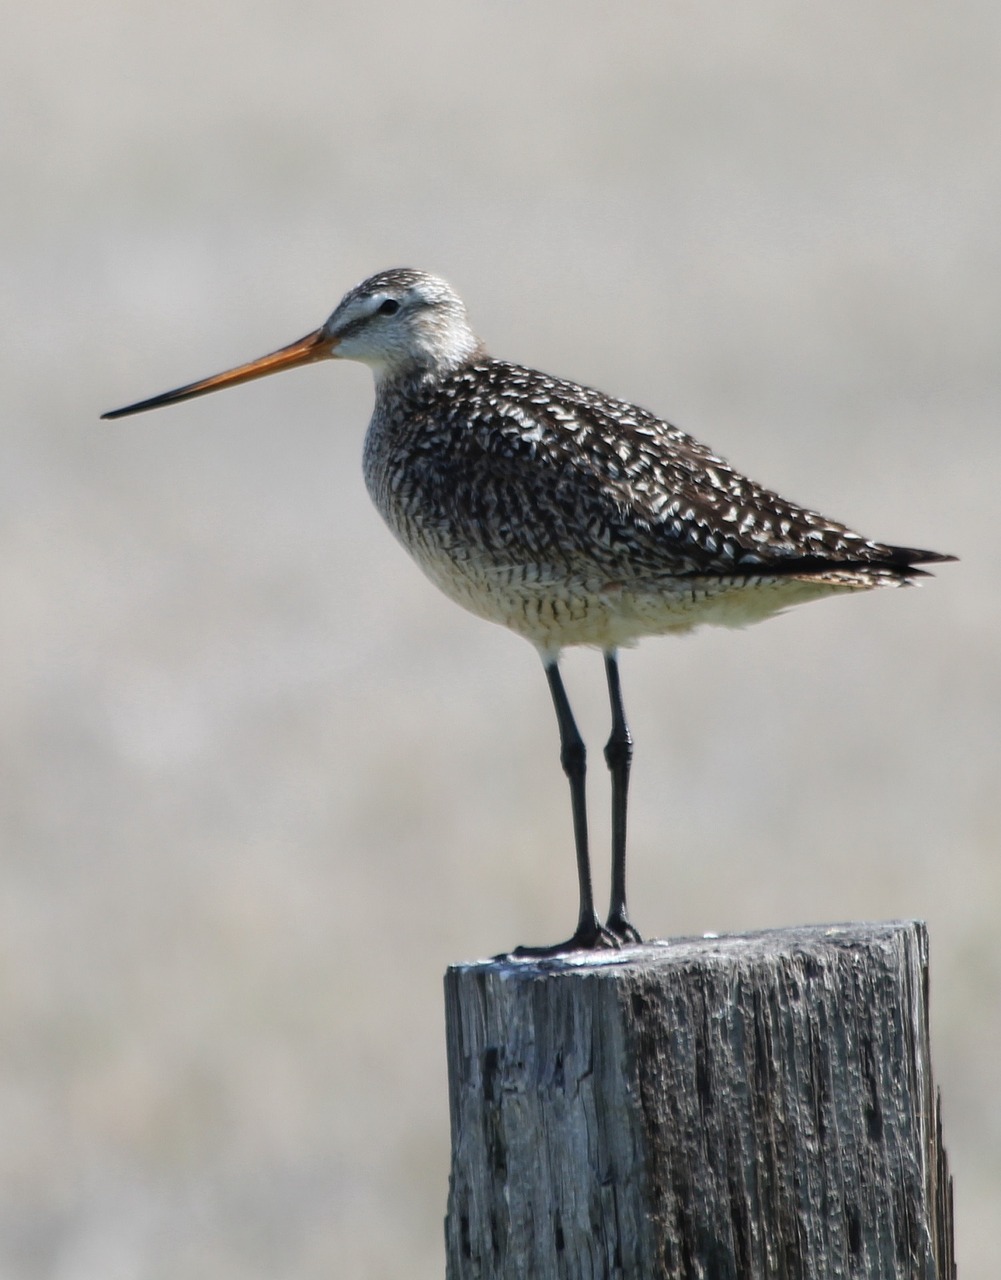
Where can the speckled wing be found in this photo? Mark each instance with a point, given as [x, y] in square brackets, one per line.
[557, 471]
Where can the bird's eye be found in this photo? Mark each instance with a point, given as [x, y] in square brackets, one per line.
[388, 308]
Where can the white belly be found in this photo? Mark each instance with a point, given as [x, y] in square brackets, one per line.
[554, 613]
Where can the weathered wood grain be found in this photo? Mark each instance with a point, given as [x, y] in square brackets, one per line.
[714, 1108]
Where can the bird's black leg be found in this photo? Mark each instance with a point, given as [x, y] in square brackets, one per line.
[589, 933]
[618, 757]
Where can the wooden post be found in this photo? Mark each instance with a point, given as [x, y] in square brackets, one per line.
[721, 1108]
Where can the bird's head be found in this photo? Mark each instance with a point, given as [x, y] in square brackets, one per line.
[401, 323]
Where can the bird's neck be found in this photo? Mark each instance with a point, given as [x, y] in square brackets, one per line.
[423, 370]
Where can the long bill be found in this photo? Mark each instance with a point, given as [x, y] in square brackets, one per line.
[315, 346]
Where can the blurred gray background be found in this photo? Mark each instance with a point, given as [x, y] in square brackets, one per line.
[261, 784]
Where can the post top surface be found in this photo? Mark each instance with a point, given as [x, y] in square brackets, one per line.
[671, 951]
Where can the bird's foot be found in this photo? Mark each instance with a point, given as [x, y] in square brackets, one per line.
[590, 935]
[622, 929]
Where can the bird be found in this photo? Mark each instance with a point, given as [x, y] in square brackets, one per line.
[567, 515]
